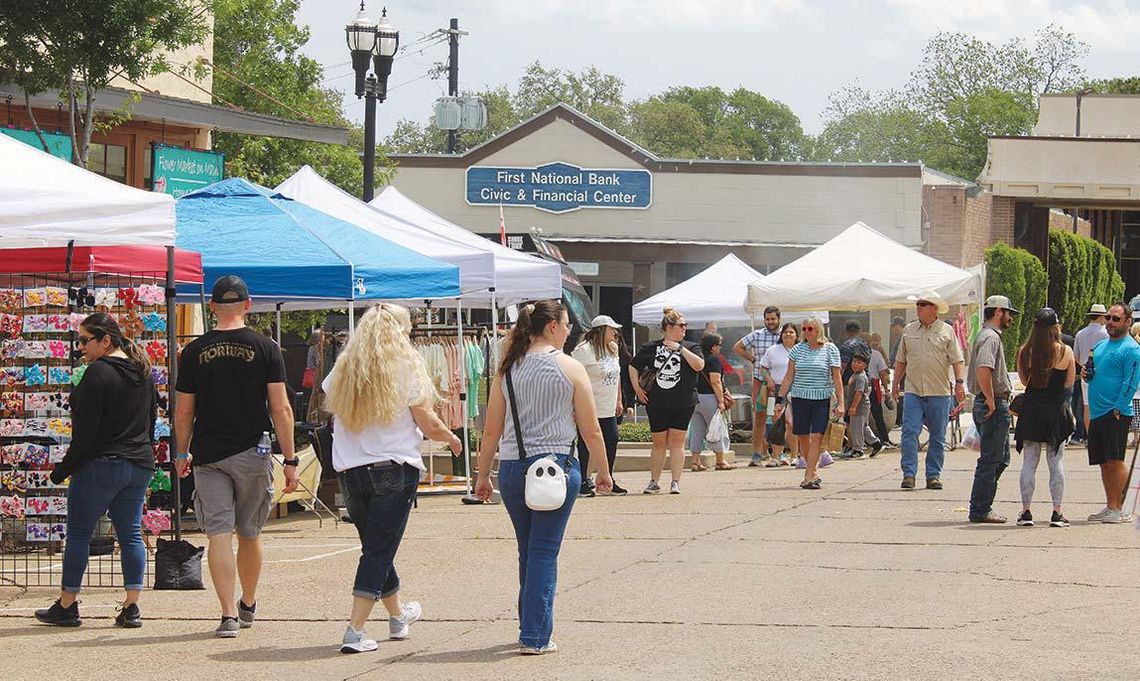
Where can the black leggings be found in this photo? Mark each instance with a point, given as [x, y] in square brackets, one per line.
[609, 436]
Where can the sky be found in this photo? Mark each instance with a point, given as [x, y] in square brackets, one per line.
[794, 51]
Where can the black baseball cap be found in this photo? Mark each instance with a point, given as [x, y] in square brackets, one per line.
[1047, 316]
[230, 289]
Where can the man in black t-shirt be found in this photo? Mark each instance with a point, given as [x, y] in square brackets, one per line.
[231, 390]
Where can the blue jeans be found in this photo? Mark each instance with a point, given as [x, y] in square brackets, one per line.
[117, 488]
[994, 458]
[935, 413]
[539, 536]
[1078, 402]
[379, 501]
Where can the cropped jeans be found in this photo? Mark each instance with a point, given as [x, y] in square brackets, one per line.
[539, 535]
[379, 498]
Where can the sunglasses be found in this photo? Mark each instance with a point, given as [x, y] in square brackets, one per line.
[1115, 318]
[683, 325]
[809, 328]
[924, 303]
[84, 340]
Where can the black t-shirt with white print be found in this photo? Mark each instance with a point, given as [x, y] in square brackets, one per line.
[676, 383]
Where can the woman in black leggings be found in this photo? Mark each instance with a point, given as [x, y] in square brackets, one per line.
[598, 352]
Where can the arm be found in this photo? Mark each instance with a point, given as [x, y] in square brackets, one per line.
[183, 427]
[281, 412]
[742, 352]
[1131, 379]
[855, 400]
[986, 384]
[1071, 372]
[86, 413]
[837, 379]
[634, 376]
[1022, 370]
[586, 418]
[784, 388]
[695, 361]
[960, 381]
[717, 387]
[900, 377]
[435, 429]
[492, 433]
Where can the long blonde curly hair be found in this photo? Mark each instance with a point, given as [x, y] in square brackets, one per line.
[370, 381]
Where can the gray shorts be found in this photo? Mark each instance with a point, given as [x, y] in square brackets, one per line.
[234, 494]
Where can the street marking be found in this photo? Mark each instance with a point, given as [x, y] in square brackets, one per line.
[316, 557]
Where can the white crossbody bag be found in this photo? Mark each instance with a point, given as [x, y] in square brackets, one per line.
[546, 481]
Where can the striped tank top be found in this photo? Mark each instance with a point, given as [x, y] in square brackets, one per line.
[545, 406]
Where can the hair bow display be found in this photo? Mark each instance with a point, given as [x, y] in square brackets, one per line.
[12, 404]
[129, 297]
[160, 482]
[35, 323]
[11, 300]
[77, 374]
[35, 297]
[149, 294]
[131, 324]
[11, 325]
[61, 425]
[81, 297]
[153, 321]
[57, 349]
[161, 428]
[156, 350]
[56, 296]
[12, 349]
[14, 480]
[106, 297]
[59, 375]
[76, 320]
[35, 375]
[36, 402]
[155, 521]
[161, 452]
[12, 507]
[12, 376]
[159, 375]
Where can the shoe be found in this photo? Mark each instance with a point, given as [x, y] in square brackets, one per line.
[129, 617]
[398, 626]
[228, 628]
[785, 460]
[908, 482]
[990, 518]
[1099, 515]
[845, 454]
[246, 614]
[757, 460]
[825, 460]
[856, 455]
[1025, 519]
[674, 487]
[876, 448]
[1116, 517]
[550, 647]
[59, 615]
[933, 483]
[586, 491]
[355, 642]
[800, 463]
[653, 488]
[1058, 520]
[811, 484]
[619, 490]
[771, 462]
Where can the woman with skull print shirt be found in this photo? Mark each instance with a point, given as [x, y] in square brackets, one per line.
[672, 396]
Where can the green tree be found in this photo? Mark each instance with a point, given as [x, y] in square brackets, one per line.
[409, 137]
[1020, 276]
[1128, 85]
[598, 95]
[259, 65]
[78, 47]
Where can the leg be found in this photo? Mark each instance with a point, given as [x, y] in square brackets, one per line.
[88, 496]
[125, 511]
[911, 425]
[994, 456]
[1031, 451]
[759, 418]
[512, 484]
[676, 443]
[855, 430]
[536, 618]
[698, 428]
[249, 567]
[937, 416]
[1114, 474]
[223, 571]
[882, 433]
[790, 438]
[811, 445]
[1056, 460]
[657, 455]
[609, 428]
[584, 457]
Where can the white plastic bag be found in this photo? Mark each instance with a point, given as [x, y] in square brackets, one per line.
[972, 439]
[718, 431]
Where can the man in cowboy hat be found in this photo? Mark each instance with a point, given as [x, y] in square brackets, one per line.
[1087, 339]
[989, 381]
[927, 352]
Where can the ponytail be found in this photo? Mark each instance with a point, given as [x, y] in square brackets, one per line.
[136, 354]
[101, 325]
[532, 321]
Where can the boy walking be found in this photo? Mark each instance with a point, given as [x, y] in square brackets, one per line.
[859, 408]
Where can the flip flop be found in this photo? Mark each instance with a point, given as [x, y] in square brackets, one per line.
[725, 466]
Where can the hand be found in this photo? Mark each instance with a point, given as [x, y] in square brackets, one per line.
[838, 411]
[629, 412]
[603, 482]
[895, 393]
[851, 411]
[671, 345]
[991, 407]
[641, 396]
[182, 466]
[292, 478]
[620, 409]
[455, 445]
[483, 489]
[779, 412]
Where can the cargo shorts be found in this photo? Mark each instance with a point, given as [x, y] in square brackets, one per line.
[234, 494]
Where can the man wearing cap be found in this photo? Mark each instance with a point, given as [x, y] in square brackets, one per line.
[1087, 339]
[231, 389]
[751, 349]
[927, 352]
[1112, 381]
[989, 382]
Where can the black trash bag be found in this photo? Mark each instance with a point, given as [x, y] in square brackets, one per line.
[101, 546]
[178, 565]
[778, 433]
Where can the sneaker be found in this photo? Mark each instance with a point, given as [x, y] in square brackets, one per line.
[990, 518]
[550, 647]
[825, 460]
[129, 617]
[60, 616]
[228, 628]
[876, 448]
[856, 455]
[933, 483]
[398, 626]
[1100, 515]
[845, 454]
[246, 614]
[356, 642]
[1058, 520]
[908, 482]
[586, 491]
[800, 463]
[674, 487]
[771, 462]
[757, 460]
[619, 490]
[785, 460]
[1025, 519]
[1116, 517]
[653, 488]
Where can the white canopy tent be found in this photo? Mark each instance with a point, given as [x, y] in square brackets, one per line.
[862, 269]
[46, 201]
[713, 295]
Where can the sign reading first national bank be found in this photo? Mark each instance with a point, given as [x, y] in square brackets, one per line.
[559, 187]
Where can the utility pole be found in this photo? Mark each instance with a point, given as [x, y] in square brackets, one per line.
[452, 74]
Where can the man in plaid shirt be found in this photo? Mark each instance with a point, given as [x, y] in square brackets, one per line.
[752, 348]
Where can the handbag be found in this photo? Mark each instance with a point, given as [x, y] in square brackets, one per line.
[717, 431]
[307, 378]
[833, 438]
[178, 565]
[546, 481]
[778, 433]
[647, 379]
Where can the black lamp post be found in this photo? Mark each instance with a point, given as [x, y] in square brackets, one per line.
[375, 42]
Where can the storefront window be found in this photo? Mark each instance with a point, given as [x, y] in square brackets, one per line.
[108, 160]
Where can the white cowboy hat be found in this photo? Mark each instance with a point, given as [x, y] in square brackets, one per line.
[933, 298]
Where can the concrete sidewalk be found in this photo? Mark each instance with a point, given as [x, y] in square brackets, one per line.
[742, 576]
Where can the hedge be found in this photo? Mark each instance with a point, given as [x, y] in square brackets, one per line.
[1081, 272]
[1019, 275]
[629, 431]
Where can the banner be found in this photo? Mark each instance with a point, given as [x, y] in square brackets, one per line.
[177, 171]
[59, 144]
[559, 187]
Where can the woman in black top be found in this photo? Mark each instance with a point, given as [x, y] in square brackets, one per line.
[711, 399]
[110, 462]
[671, 396]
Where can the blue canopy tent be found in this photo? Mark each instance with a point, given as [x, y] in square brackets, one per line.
[295, 256]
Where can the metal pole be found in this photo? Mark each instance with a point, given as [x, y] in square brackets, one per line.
[453, 75]
[461, 358]
[369, 138]
[278, 334]
[172, 394]
[351, 318]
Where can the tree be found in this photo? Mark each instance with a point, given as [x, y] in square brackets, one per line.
[598, 95]
[1128, 85]
[78, 47]
[409, 137]
[259, 66]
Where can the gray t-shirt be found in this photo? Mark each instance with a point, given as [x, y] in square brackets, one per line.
[859, 383]
[988, 352]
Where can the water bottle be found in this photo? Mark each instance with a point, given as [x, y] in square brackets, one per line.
[264, 448]
[1089, 370]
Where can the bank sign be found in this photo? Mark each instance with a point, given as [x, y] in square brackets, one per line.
[559, 187]
[179, 171]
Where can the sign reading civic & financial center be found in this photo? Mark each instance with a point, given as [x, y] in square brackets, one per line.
[559, 187]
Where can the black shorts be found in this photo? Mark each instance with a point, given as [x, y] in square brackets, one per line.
[1108, 438]
[810, 417]
[668, 417]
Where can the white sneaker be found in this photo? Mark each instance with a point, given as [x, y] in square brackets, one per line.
[1116, 517]
[1100, 515]
[356, 642]
[550, 647]
[398, 626]
[653, 488]
[674, 487]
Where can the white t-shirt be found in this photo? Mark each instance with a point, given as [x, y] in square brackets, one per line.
[775, 360]
[399, 440]
[877, 365]
[605, 378]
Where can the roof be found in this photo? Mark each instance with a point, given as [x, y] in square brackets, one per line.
[648, 159]
[677, 242]
[932, 177]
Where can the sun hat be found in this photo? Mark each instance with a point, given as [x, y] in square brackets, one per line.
[1097, 310]
[604, 320]
[931, 297]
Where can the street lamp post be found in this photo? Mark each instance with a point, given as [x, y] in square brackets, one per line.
[375, 43]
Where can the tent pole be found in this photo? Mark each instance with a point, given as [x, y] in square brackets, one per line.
[172, 395]
[463, 396]
[494, 330]
[205, 307]
[351, 318]
[278, 325]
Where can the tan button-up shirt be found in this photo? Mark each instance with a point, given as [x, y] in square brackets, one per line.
[928, 352]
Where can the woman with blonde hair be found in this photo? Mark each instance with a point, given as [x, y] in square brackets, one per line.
[553, 396]
[813, 380]
[670, 397]
[382, 403]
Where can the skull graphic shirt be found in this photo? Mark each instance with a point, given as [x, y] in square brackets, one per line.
[676, 383]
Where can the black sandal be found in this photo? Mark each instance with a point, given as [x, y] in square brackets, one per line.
[814, 484]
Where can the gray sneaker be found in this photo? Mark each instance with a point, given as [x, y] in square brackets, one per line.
[674, 487]
[1116, 517]
[550, 647]
[1100, 515]
[228, 628]
[356, 642]
[246, 614]
[653, 488]
[398, 626]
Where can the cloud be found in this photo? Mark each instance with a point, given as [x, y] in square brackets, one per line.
[1103, 25]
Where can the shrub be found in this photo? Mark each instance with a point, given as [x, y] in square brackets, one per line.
[1081, 272]
[634, 432]
[1020, 276]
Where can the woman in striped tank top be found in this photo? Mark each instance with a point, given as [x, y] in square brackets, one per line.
[553, 396]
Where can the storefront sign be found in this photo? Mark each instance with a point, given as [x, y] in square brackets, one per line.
[59, 144]
[584, 269]
[559, 187]
[179, 171]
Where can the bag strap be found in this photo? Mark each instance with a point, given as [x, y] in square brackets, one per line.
[515, 416]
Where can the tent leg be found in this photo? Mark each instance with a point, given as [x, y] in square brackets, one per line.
[205, 308]
[172, 395]
[351, 319]
[469, 498]
[278, 325]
